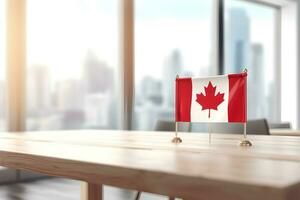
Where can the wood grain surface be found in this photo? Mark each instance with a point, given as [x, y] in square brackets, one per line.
[148, 161]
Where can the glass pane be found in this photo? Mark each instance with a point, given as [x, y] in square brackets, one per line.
[250, 42]
[72, 64]
[171, 37]
[2, 65]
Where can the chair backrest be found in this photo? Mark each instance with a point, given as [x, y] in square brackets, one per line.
[284, 125]
[257, 127]
[225, 128]
[163, 125]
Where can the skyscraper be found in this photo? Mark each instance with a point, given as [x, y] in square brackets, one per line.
[98, 79]
[70, 103]
[70, 95]
[150, 90]
[256, 82]
[238, 41]
[172, 67]
[97, 76]
[149, 105]
[97, 110]
[39, 87]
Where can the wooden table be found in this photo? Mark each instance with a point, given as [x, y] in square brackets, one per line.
[147, 161]
[285, 132]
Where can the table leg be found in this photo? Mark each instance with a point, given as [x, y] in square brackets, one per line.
[91, 191]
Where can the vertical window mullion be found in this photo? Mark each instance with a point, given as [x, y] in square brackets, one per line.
[221, 35]
[16, 62]
[127, 54]
[217, 57]
[278, 65]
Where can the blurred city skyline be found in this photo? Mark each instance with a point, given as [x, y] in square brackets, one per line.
[73, 59]
[171, 23]
[73, 103]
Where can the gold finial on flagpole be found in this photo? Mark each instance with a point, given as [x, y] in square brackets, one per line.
[176, 139]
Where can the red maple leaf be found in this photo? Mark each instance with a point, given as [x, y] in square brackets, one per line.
[210, 100]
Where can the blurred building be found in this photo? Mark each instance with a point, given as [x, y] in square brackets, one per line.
[150, 89]
[70, 95]
[97, 110]
[70, 103]
[97, 76]
[149, 103]
[238, 41]
[256, 82]
[98, 81]
[172, 68]
[39, 86]
[156, 99]
[241, 54]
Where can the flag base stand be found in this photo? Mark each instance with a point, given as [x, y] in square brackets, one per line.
[176, 140]
[245, 143]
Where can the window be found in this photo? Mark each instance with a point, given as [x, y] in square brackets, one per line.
[250, 41]
[72, 72]
[171, 37]
[73, 75]
[2, 65]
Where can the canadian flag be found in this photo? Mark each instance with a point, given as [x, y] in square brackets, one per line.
[212, 99]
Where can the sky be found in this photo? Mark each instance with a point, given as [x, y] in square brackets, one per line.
[60, 41]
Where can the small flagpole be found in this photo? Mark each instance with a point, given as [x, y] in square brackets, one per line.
[245, 142]
[245, 131]
[176, 139]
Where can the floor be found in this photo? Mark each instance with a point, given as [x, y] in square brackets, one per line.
[62, 189]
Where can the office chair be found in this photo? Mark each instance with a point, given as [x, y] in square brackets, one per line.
[258, 127]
